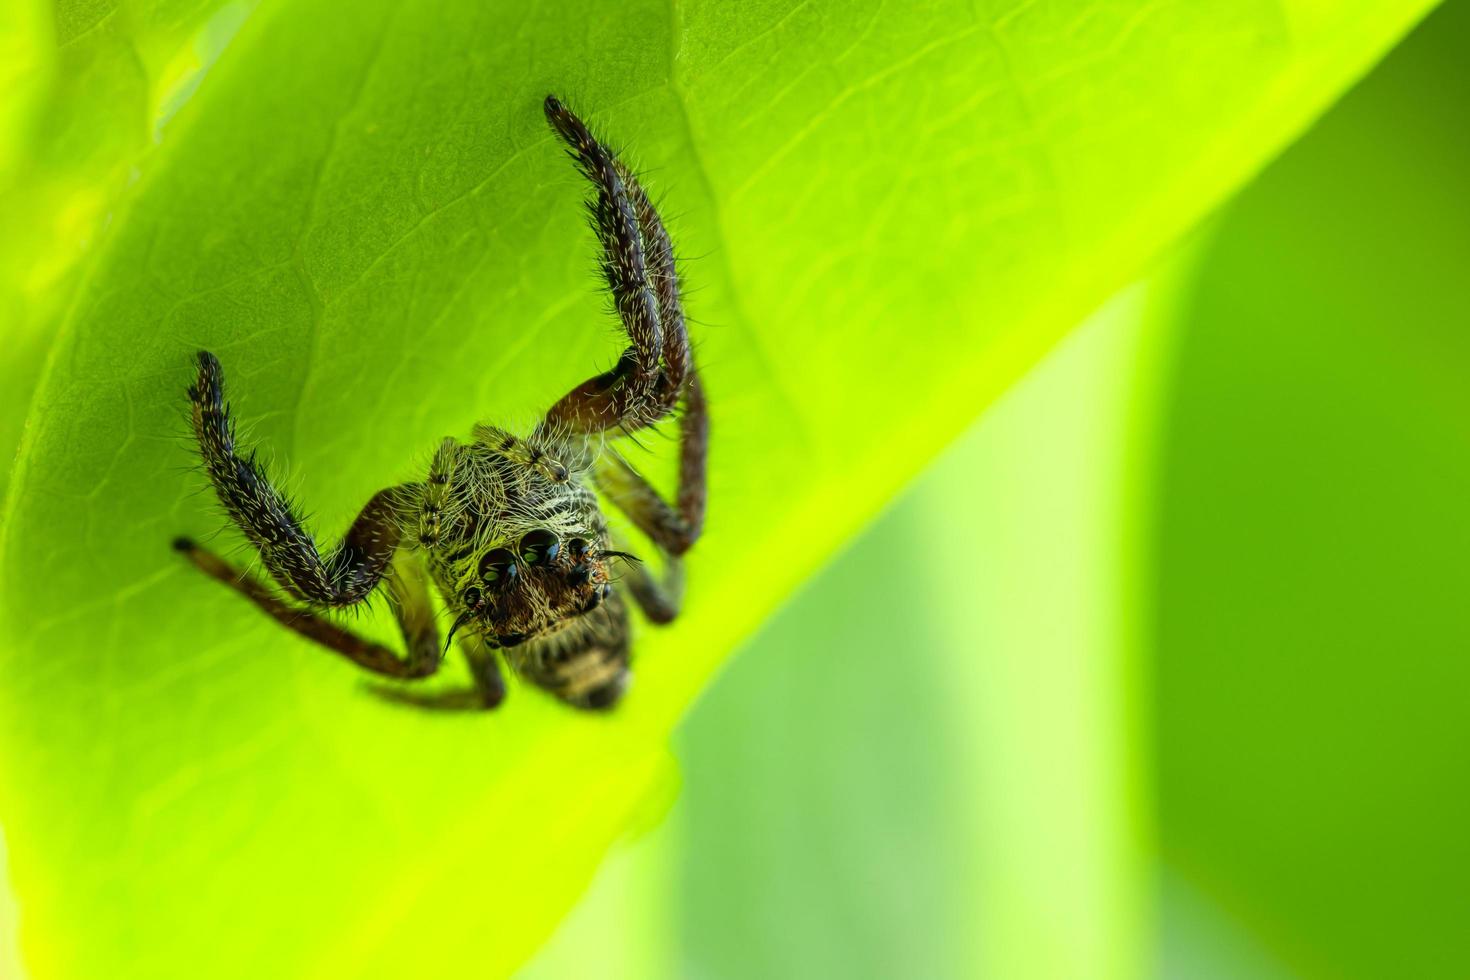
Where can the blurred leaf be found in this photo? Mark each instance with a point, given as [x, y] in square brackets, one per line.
[893, 212]
[1313, 533]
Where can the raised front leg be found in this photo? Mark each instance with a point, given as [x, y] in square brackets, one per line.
[344, 577]
[638, 264]
[654, 374]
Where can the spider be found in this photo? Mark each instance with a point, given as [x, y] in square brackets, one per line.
[509, 528]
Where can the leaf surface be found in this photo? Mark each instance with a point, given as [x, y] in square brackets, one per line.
[888, 213]
[90, 89]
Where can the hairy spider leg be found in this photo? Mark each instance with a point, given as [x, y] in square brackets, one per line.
[653, 374]
[353, 569]
[486, 694]
[672, 531]
[408, 597]
[628, 395]
[673, 528]
[659, 250]
[659, 598]
[484, 669]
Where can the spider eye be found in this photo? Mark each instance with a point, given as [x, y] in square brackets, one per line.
[498, 567]
[578, 548]
[472, 597]
[539, 547]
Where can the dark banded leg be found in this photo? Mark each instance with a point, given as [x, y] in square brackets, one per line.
[674, 529]
[344, 577]
[485, 670]
[638, 263]
[407, 589]
[639, 260]
[659, 250]
[408, 598]
[586, 665]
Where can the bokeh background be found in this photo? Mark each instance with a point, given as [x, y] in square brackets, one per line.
[1163, 669]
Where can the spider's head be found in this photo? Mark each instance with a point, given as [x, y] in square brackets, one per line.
[534, 587]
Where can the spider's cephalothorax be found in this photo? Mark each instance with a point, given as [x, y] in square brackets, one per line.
[509, 529]
[518, 546]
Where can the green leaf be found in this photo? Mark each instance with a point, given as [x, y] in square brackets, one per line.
[888, 214]
[90, 88]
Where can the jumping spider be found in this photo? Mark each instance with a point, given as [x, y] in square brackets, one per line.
[509, 528]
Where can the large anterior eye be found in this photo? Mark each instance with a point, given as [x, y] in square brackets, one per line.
[498, 567]
[539, 547]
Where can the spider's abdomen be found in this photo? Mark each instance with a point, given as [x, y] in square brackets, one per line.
[586, 664]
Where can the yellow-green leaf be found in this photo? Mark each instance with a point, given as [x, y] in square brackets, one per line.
[889, 211]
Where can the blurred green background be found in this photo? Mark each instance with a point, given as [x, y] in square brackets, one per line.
[1162, 670]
